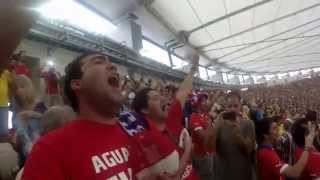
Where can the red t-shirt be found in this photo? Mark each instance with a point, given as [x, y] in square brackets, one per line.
[312, 169]
[155, 152]
[269, 164]
[174, 130]
[174, 119]
[199, 122]
[21, 69]
[52, 83]
[84, 150]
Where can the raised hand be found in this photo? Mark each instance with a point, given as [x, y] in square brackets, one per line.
[16, 19]
[310, 137]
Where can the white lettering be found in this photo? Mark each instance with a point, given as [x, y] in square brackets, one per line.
[117, 156]
[113, 178]
[98, 164]
[125, 153]
[122, 176]
[108, 160]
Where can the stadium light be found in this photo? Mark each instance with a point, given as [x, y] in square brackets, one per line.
[244, 89]
[50, 63]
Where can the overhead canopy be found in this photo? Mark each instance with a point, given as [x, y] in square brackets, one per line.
[265, 36]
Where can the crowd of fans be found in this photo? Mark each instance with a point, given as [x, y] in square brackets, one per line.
[111, 127]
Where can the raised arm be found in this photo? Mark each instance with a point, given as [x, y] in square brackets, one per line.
[15, 22]
[187, 85]
[295, 170]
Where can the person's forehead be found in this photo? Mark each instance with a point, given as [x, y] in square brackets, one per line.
[274, 125]
[233, 100]
[91, 57]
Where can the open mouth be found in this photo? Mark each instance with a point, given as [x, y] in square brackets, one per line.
[114, 81]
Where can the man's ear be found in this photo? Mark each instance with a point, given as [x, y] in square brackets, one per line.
[75, 84]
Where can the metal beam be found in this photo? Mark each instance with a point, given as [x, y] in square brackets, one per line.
[161, 19]
[299, 45]
[299, 64]
[229, 15]
[260, 25]
[274, 44]
[293, 55]
[282, 63]
[284, 70]
[281, 57]
[270, 37]
[272, 52]
[259, 42]
[170, 58]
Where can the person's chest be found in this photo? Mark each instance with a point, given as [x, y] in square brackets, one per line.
[99, 155]
[204, 121]
[21, 69]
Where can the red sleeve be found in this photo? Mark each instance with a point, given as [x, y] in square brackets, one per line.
[43, 164]
[195, 123]
[313, 164]
[29, 74]
[271, 163]
[174, 119]
[312, 168]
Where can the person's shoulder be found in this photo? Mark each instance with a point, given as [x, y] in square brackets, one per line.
[6, 73]
[247, 123]
[175, 106]
[176, 102]
[194, 115]
[266, 153]
[60, 136]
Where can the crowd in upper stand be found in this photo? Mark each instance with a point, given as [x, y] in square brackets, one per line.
[95, 124]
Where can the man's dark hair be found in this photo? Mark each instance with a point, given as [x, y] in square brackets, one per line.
[287, 125]
[171, 88]
[299, 130]
[73, 71]
[263, 128]
[140, 101]
[311, 115]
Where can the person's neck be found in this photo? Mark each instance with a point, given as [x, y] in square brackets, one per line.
[28, 105]
[87, 112]
[158, 123]
[266, 142]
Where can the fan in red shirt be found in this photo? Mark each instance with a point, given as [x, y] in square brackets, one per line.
[200, 123]
[168, 122]
[161, 141]
[312, 169]
[17, 67]
[269, 164]
[51, 78]
[94, 146]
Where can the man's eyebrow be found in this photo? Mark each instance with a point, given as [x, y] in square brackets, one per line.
[93, 57]
[99, 57]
